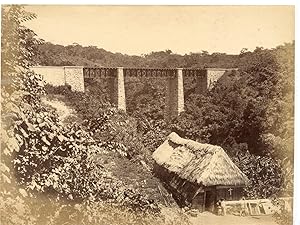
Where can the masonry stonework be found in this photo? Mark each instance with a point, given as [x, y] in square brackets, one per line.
[74, 77]
[174, 95]
[117, 89]
[213, 75]
[62, 75]
[121, 89]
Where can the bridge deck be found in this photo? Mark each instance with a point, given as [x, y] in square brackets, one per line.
[92, 72]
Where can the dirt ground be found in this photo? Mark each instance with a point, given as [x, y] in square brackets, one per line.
[65, 114]
[207, 218]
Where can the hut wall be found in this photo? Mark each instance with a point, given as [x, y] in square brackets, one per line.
[230, 193]
[182, 190]
[162, 173]
[199, 202]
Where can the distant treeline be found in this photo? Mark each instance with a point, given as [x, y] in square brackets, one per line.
[59, 55]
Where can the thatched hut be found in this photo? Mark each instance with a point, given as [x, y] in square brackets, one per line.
[198, 174]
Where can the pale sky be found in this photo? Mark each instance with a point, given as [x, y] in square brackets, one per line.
[137, 30]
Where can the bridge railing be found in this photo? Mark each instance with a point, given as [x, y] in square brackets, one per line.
[92, 72]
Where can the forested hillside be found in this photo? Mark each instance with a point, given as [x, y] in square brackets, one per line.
[249, 112]
[58, 55]
[55, 172]
[79, 169]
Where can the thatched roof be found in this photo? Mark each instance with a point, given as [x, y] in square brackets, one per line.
[201, 163]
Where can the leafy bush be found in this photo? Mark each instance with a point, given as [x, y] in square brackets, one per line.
[63, 89]
[53, 158]
[42, 159]
[104, 122]
[283, 215]
[265, 175]
[284, 218]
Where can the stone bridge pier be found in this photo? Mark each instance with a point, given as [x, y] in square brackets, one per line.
[75, 76]
[174, 89]
[174, 95]
[116, 85]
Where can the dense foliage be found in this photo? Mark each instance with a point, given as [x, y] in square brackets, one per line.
[51, 172]
[67, 169]
[249, 112]
[114, 130]
[75, 54]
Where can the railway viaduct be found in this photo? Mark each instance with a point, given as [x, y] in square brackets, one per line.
[76, 75]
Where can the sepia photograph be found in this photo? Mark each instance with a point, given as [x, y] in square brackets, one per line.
[147, 114]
